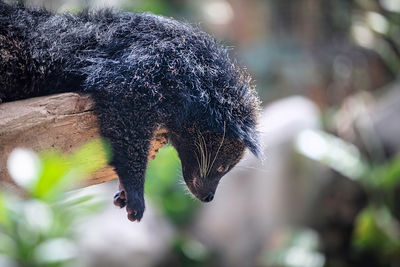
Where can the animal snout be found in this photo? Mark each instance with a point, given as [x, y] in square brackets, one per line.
[208, 197]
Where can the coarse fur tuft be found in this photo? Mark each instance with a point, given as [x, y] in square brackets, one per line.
[144, 72]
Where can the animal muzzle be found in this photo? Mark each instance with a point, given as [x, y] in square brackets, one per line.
[209, 197]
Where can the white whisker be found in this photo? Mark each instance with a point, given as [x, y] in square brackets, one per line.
[206, 155]
[201, 161]
[253, 168]
[220, 145]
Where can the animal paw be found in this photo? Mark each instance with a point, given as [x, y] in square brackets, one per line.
[120, 199]
[135, 207]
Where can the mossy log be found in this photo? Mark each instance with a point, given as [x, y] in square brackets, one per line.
[62, 121]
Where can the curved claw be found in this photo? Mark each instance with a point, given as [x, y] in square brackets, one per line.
[135, 209]
[134, 204]
[120, 199]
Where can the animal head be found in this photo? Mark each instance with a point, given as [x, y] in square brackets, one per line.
[222, 124]
[205, 158]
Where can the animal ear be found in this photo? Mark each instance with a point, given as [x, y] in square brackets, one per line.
[251, 140]
[255, 149]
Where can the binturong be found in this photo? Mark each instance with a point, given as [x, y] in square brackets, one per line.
[144, 72]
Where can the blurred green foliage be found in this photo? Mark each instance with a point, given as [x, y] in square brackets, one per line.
[159, 7]
[58, 170]
[38, 229]
[373, 25]
[377, 230]
[385, 175]
[166, 189]
[191, 252]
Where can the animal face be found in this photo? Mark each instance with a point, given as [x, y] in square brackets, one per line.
[205, 158]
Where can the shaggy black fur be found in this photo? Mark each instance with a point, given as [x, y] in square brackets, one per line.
[144, 71]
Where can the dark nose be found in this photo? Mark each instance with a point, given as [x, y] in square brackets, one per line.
[209, 197]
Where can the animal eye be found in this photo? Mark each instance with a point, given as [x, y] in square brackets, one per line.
[222, 168]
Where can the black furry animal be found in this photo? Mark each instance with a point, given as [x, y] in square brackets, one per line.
[144, 72]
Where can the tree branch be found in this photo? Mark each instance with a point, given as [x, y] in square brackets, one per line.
[62, 121]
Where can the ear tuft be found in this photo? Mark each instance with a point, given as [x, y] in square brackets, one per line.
[253, 144]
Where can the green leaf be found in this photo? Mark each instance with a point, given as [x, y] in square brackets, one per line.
[91, 156]
[376, 230]
[3, 211]
[388, 174]
[162, 172]
[165, 188]
[5, 222]
[367, 234]
[30, 227]
[60, 172]
[54, 167]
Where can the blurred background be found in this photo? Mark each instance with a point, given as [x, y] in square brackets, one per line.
[328, 191]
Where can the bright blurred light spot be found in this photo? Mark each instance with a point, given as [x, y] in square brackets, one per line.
[307, 239]
[362, 35]
[311, 144]
[218, 12]
[194, 250]
[38, 215]
[23, 166]
[55, 250]
[330, 150]
[391, 5]
[303, 251]
[298, 256]
[377, 22]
